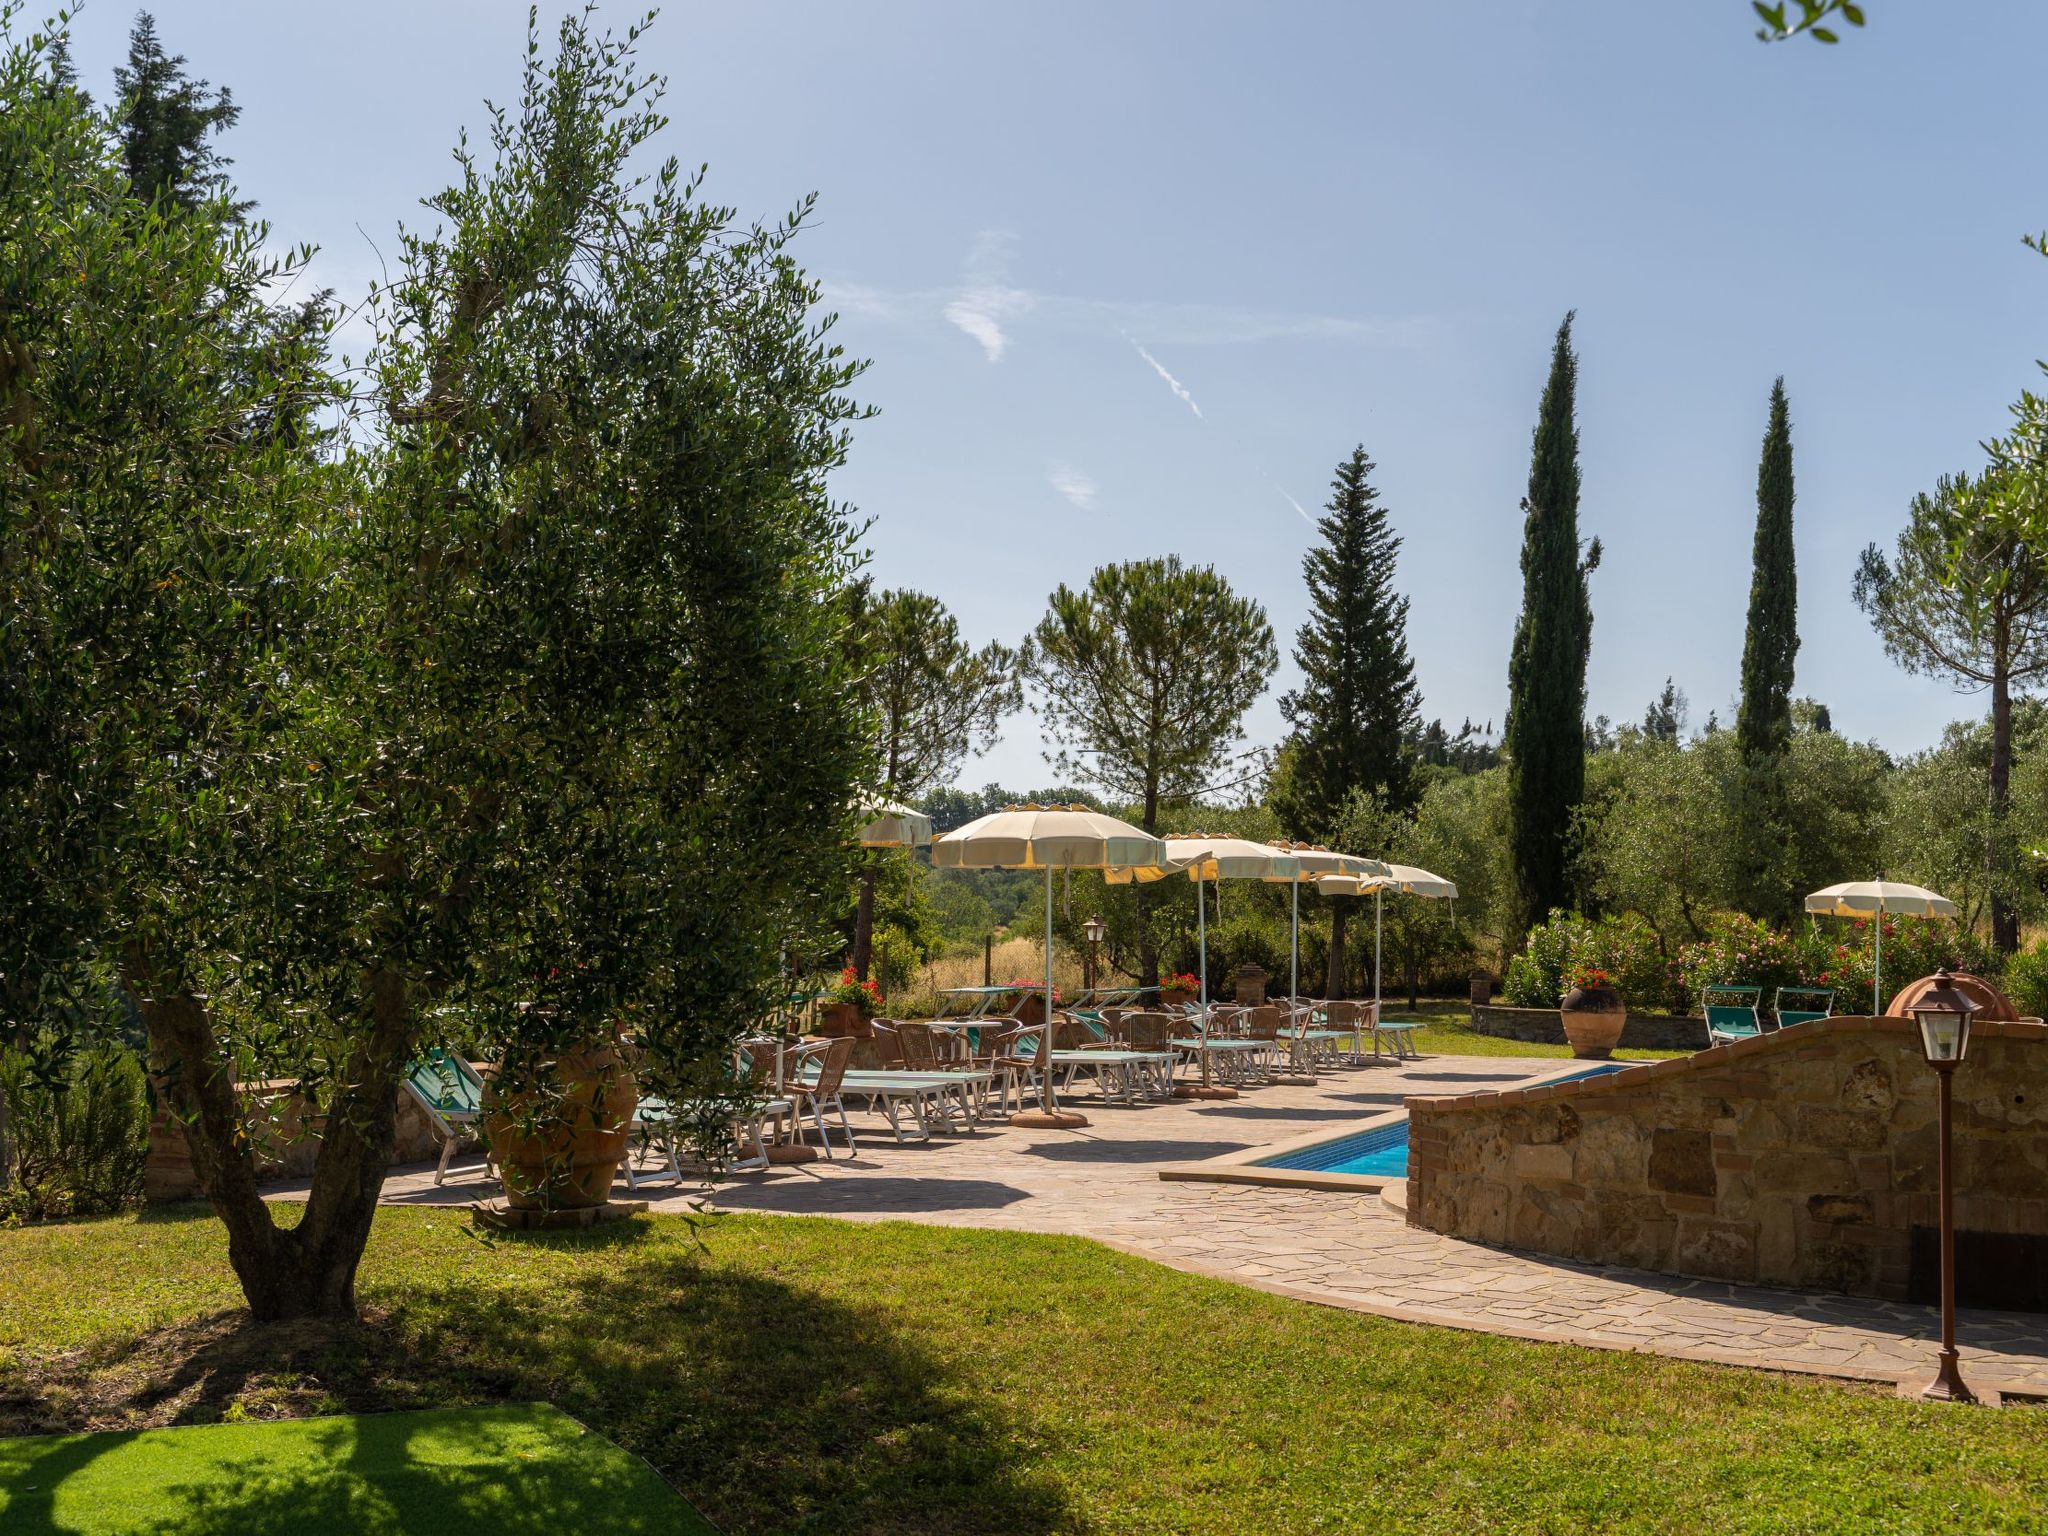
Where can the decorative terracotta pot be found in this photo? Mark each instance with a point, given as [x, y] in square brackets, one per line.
[1030, 1009]
[1593, 1017]
[568, 1156]
[844, 1019]
[1173, 997]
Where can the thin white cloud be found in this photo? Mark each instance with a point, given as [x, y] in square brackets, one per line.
[1073, 484]
[987, 302]
[1298, 507]
[1179, 389]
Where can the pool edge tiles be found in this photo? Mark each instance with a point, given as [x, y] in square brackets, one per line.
[1383, 1138]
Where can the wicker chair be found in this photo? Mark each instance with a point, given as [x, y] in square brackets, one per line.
[1011, 1067]
[816, 1095]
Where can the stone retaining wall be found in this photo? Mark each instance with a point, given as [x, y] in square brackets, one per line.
[1805, 1157]
[1641, 1032]
[286, 1149]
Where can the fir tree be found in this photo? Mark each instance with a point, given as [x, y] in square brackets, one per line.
[1356, 707]
[1544, 741]
[1664, 720]
[1763, 722]
[166, 120]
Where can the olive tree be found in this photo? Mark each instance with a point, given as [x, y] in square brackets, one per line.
[481, 732]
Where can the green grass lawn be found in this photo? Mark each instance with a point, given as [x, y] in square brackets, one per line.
[833, 1376]
[1447, 1031]
[453, 1471]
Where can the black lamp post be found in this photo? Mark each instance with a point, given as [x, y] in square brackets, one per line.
[1943, 1014]
[1094, 928]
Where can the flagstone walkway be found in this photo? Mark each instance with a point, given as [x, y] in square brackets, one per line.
[1346, 1250]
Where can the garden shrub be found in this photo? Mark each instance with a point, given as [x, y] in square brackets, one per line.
[1535, 977]
[894, 960]
[1740, 951]
[1840, 953]
[77, 1133]
[2026, 980]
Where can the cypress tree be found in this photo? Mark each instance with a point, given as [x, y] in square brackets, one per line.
[1357, 706]
[1544, 741]
[1763, 722]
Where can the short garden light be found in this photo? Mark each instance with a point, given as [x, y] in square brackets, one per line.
[1943, 1013]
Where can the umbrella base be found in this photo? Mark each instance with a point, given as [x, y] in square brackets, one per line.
[1197, 1091]
[1049, 1119]
[795, 1152]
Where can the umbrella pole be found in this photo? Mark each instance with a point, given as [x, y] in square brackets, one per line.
[1294, 946]
[1877, 963]
[1045, 1089]
[1202, 938]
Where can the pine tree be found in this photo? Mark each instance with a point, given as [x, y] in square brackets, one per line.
[1544, 741]
[1664, 720]
[1357, 703]
[1763, 722]
[166, 120]
[1357, 706]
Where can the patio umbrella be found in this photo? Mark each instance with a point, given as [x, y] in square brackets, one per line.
[1311, 864]
[1047, 837]
[1203, 858]
[1864, 898]
[891, 825]
[1404, 878]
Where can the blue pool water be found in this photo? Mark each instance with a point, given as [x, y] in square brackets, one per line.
[1382, 1152]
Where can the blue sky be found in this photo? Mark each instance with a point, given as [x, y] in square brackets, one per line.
[1134, 277]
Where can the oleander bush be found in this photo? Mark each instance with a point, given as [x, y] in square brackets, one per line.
[76, 1132]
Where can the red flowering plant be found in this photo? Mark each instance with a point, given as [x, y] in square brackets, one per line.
[1588, 978]
[1180, 981]
[864, 995]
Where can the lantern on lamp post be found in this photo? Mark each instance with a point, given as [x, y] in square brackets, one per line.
[1943, 1013]
[1094, 928]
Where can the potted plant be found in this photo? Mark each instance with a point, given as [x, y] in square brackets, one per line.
[557, 1124]
[1178, 988]
[1030, 1009]
[849, 1006]
[1593, 1013]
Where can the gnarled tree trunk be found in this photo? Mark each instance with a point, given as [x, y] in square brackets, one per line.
[307, 1270]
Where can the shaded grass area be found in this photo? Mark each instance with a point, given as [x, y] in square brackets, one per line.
[796, 1373]
[1447, 1031]
[454, 1471]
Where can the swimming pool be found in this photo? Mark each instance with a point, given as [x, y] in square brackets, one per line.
[1381, 1151]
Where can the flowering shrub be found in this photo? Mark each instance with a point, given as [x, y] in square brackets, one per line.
[864, 995]
[1843, 955]
[1183, 981]
[1623, 949]
[1739, 951]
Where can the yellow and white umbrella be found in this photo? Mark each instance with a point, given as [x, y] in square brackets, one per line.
[1403, 878]
[1311, 865]
[1047, 837]
[1202, 858]
[890, 825]
[1876, 898]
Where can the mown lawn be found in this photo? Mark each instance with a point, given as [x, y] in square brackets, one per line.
[807, 1374]
[1447, 1031]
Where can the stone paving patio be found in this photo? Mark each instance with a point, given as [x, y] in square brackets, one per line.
[1346, 1250]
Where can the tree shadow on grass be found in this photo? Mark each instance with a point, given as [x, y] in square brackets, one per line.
[770, 1406]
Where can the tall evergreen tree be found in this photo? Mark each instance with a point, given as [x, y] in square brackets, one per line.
[1763, 721]
[1544, 741]
[166, 121]
[1357, 705]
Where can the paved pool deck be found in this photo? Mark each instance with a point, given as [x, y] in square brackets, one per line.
[1338, 1249]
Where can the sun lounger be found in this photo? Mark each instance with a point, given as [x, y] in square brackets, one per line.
[1819, 1003]
[1731, 1014]
[451, 1094]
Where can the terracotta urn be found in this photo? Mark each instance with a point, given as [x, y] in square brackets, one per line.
[1030, 1009]
[1593, 1017]
[560, 1150]
[1173, 997]
[844, 1019]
